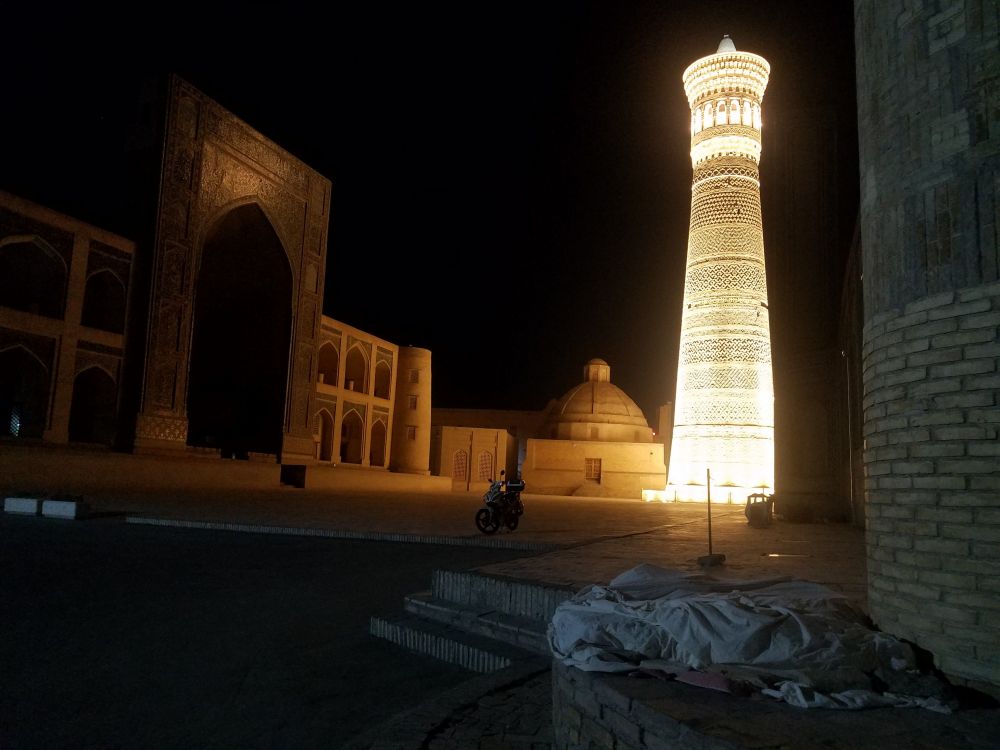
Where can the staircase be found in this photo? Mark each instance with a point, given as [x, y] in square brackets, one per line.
[481, 622]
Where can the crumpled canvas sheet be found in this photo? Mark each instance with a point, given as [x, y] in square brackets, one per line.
[800, 641]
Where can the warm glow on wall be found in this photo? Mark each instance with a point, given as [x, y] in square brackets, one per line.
[724, 407]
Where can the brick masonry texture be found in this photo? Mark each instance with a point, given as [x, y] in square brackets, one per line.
[589, 710]
[933, 537]
[929, 141]
[929, 138]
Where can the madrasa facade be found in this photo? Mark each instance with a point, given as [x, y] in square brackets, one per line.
[204, 333]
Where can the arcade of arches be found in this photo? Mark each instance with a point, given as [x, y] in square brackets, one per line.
[236, 400]
[63, 292]
[229, 353]
[357, 403]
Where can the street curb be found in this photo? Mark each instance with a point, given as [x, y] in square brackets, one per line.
[371, 536]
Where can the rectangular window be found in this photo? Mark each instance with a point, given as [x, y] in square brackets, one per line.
[414, 376]
[413, 402]
[592, 469]
[411, 432]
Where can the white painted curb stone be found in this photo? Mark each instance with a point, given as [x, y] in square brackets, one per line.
[28, 506]
[63, 508]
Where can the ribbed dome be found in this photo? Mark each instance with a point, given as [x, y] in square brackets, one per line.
[599, 403]
[595, 401]
[726, 45]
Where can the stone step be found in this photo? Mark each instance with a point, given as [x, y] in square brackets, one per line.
[449, 644]
[509, 596]
[522, 632]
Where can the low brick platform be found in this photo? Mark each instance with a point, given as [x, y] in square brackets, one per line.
[599, 710]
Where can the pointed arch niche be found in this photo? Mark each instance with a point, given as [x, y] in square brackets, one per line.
[324, 424]
[356, 370]
[383, 379]
[104, 302]
[241, 336]
[92, 413]
[329, 364]
[24, 393]
[352, 435]
[32, 276]
[376, 453]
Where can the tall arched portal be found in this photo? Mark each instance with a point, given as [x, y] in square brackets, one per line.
[240, 344]
[213, 163]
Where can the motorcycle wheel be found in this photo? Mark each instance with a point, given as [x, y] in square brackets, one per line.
[511, 521]
[485, 521]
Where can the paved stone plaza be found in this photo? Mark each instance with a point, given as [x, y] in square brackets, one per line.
[579, 541]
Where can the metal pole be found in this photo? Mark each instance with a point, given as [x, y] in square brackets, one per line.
[708, 490]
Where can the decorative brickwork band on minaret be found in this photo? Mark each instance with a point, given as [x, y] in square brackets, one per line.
[724, 407]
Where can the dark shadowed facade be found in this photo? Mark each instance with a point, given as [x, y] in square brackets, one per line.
[207, 334]
[239, 254]
[930, 210]
[64, 287]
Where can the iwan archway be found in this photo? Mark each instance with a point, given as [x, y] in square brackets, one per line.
[241, 333]
[236, 289]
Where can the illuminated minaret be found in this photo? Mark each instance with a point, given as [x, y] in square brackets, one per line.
[724, 407]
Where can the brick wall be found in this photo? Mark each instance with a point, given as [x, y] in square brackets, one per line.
[601, 711]
[929, 143]
[929, 147]
[932, 476]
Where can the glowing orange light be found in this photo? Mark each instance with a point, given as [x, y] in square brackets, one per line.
[724, 407]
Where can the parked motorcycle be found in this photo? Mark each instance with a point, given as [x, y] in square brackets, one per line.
[503, 505]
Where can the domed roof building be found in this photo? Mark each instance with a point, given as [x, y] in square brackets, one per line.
[595, 442]
[596, 409]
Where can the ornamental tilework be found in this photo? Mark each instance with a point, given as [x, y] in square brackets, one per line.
[724, 407]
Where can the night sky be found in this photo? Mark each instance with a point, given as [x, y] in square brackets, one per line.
[511, 183]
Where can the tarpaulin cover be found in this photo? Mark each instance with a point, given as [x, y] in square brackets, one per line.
[797, 640]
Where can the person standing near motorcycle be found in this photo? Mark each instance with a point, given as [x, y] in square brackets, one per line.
[503, 505]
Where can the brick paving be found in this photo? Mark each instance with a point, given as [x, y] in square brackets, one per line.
[518, 717]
